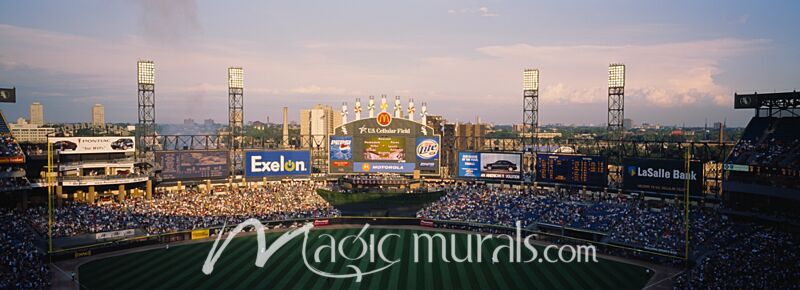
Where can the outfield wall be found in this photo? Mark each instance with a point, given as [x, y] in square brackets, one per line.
[563, 236]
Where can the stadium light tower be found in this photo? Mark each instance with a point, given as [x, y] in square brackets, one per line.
[236, 115]
[530, 112]
[146, 131]
[616, 114]
[616, 101]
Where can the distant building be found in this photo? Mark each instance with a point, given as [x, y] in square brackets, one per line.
[469, 136]
[627, 124]
[316, 124]
[208, 122]
[98, 115]
[30, 133]
[188, 121]
[36, 114]
[435, 122]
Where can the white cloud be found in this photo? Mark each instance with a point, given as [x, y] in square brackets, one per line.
[666, 75]
[481, 11]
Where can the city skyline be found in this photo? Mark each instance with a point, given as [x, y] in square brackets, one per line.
[684, 60]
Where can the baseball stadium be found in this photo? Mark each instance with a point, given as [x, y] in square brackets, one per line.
[381, 195]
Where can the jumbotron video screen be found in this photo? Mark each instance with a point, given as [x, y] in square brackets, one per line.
[384, 145]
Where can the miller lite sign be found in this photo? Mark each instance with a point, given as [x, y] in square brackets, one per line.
[427, 148]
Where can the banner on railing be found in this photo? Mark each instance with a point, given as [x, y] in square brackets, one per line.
[114, 234]
[200, 234]
[322, 222]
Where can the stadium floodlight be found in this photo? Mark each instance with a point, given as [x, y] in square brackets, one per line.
[146, 72]
[235, 78]
[530, 80]
[616, 75]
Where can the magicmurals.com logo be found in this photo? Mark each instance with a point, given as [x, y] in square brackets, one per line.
[372, 248]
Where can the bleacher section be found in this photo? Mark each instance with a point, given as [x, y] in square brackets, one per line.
[12, 174]
[4, 128]
[769, 142]
[763, 168]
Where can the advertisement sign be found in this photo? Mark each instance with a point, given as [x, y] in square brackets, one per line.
[427, 148]
[341, 148]
[662, 175]
[572, 169]
[736, 167]
[371, 167]
[114, 235]
[501, 165]
[277, 163]
[469, 164]
[384, 145]
[90, 145]
[487, 165]
[200, 234]
[177, 165]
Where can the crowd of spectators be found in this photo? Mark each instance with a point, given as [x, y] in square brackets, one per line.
[21, 263]
[9, 146]
[769, 142]
[763, 258]
[193, 210]
[626, 221]
[76, 218]
[187, 210]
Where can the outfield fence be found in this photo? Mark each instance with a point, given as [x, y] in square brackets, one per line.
[543, 232]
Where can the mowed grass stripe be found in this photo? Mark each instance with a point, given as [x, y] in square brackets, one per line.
[462, 278]
[513, 271]
[445, 280]
[324, 283]
[477, 269]
[400, 252]
[307, 277]
[251, 276]
[237, 260]
[365, 265]
[100, 273]
[159, 265]
[411, 282]
[498, 281]
[278, 267]
[292, 274]
[377, 278]
[599, 280]
[190, 267]
[342, 263]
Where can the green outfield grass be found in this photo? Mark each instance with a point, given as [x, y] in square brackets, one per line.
[179, 267]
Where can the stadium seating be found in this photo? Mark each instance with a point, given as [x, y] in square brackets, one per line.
[769, 142]
[4, 128]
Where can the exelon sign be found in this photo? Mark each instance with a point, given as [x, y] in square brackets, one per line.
[277, 163]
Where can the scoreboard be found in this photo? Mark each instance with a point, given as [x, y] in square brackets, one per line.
[185, 165]
[572, 169]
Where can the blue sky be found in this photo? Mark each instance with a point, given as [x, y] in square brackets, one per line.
[685, 59]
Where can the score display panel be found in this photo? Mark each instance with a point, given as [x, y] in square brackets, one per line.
[189, 165]
[572, 169]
